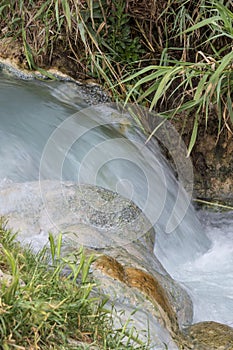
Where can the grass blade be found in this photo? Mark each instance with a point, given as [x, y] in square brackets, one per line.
[193, 136]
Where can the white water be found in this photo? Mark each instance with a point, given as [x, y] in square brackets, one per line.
[29, 114]
[209, 278]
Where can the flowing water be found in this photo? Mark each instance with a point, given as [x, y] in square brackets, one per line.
[47, 131]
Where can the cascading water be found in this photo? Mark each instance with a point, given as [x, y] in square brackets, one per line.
[47, 132]
[209, 278]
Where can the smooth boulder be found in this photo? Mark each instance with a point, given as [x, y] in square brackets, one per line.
[120, 236]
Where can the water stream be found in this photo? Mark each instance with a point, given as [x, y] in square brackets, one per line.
[45, 134]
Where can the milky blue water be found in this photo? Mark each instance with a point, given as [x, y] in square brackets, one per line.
[42, 136]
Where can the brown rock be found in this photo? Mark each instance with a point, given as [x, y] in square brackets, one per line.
[110, 267]
[145, 283]
[151, 287]
[210, 336]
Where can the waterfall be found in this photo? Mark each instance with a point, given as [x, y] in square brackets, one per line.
[48, 131]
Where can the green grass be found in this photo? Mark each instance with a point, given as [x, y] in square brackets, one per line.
[48, 302]
[96, 35]
[200, 87]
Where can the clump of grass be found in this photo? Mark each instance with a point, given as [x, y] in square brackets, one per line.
[199, 87]
[95, 35]
[44, 307]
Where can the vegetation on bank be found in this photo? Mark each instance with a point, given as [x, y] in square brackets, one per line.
[175, 57]
[47, 302]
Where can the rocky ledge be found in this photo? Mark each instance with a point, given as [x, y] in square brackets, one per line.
[125, 268]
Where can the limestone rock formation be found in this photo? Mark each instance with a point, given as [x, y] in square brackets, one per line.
[122, 240]
[116, 231]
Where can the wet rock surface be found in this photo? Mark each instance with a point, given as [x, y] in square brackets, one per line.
[210, 335]
[91, 92]
[40, 207]
[119, 235]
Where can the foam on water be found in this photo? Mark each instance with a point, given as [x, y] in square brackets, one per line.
[209, 278]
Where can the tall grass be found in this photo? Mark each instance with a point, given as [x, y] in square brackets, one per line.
[95, 35]
[47, 301]
[197, 87]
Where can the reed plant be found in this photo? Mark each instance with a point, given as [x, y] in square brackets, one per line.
[199, 87]
[47, 301]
